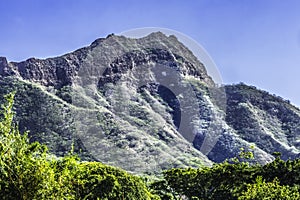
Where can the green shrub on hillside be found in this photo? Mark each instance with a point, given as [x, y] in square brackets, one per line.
[27, 171]
[238, 180]
[262, 190]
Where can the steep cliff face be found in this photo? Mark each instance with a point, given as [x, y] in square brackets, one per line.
[145, 105]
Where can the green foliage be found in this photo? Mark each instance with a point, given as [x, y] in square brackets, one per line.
[237, 180]
[261, 190]
[162, 189]
[25, 172]
[94, 180]
[209, 183]
[28, 172]
[288, 172]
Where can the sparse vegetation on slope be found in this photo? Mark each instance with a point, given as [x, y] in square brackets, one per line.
[28, 171]
[148, 103]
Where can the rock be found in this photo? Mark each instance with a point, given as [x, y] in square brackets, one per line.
[4, 67]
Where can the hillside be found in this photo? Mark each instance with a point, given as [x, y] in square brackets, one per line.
[145, 105]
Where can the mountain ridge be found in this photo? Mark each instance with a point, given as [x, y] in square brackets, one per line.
[145, 104]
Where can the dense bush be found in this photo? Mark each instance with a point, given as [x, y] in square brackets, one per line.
[239, 180]
[262, 190]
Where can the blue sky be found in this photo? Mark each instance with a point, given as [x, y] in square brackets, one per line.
[252, 41]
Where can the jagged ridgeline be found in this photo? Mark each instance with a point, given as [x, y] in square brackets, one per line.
[145, 105]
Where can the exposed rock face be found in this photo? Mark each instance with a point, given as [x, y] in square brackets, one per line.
[145, 104]
[4, 68]
[61, 71]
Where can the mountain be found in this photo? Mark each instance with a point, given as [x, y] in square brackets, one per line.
[145, 105]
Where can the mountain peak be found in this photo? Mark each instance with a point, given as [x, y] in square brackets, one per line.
[157, 34]
[104, 53]
[145, 104]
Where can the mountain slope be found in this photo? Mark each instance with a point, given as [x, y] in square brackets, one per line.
[266, 120]
[145, 104]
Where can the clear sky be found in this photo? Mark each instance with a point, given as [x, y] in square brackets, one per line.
[252, 41]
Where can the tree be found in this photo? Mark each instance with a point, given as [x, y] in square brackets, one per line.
[261, 190]
[25, 172]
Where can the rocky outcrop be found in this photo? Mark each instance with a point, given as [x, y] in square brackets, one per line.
[61, 71]
[5, 70]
